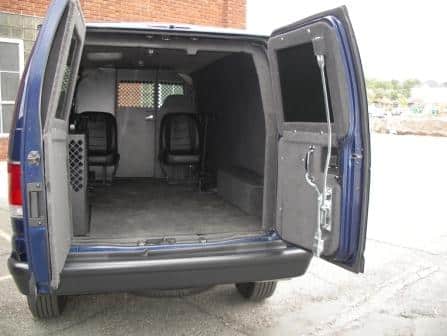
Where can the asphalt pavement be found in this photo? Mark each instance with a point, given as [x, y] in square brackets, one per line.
[402, 292]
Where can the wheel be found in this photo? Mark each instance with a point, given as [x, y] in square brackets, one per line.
[256, 291]
[46, 306]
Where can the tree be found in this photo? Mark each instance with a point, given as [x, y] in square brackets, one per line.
[393, 91]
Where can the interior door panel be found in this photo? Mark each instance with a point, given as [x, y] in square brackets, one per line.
[297, 200]
[56, 141]
[325, 43]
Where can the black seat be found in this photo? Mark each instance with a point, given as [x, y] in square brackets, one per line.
[180, 141]
[100, 129]
[179, 132]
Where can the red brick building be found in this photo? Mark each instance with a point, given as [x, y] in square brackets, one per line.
[19, 20]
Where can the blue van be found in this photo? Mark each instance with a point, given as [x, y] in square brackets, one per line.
[163, 157]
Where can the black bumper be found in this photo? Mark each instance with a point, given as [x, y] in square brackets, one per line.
[96, 274]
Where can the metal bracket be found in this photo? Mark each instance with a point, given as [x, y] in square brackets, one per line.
[324, 196]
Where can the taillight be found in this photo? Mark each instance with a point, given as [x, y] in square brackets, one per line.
[15, 189]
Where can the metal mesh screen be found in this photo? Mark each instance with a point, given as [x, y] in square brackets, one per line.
[168, 89]
[136, 94]
[76, 164]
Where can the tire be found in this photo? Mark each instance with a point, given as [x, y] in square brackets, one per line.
[256, 291]
[46, 306]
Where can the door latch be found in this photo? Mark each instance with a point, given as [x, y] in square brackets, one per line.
[36, 207]
[324, 204]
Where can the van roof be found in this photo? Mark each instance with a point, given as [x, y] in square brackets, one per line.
[176, 27]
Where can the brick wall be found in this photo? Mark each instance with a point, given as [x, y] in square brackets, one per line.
[223, 13]
[3, 148]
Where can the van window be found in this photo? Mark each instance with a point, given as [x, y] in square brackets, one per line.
[68, 80]
[136, 94]
[50, 70]
[168, 89]
[301, 85]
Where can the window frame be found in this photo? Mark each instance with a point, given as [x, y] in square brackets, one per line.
[21, 55]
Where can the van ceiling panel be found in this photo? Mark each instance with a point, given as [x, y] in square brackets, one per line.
[147, 58]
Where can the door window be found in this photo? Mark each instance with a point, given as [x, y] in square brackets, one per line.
[301, 85]
[68, 80]
[11, 66]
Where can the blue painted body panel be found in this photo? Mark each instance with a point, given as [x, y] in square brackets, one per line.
[351, 170]
[31, 140]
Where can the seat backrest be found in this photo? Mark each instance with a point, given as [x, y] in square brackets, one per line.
[180, 134]
[100, 128]
[177, 104]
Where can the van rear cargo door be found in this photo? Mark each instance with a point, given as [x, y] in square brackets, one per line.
[48, 94]
[323, 148]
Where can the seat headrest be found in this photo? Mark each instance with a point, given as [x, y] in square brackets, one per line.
[177, 104]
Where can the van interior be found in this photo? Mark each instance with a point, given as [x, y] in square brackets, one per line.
[166, 145]
[175, 140]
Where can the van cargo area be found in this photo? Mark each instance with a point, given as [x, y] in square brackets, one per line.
[166, 145]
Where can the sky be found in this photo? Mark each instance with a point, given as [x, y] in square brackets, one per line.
[397, 39]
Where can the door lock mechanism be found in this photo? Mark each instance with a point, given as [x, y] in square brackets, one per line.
[324, 203]
[324, 196]
[33, 158]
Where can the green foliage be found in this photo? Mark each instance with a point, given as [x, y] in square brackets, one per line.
[390, 92]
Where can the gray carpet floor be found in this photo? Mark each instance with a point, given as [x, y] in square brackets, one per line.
[154, 208]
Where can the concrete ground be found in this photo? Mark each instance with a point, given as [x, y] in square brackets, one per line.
[403, 290]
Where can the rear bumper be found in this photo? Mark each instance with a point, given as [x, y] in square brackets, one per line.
[96, 274]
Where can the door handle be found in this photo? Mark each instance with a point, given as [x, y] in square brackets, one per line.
[308, 175]
[150, 117]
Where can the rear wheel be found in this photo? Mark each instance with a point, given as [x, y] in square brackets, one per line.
[46, 306]
[256, 291]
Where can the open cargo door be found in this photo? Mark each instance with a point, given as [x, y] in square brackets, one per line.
[323, 149]
[49, 86]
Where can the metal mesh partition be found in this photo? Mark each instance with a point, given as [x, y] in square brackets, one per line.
[76, 164]
[78, 174]
[168, 89]
[136, 94]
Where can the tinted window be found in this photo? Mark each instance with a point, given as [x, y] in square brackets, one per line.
[68, 79]
[50, 70]
[301, 86]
